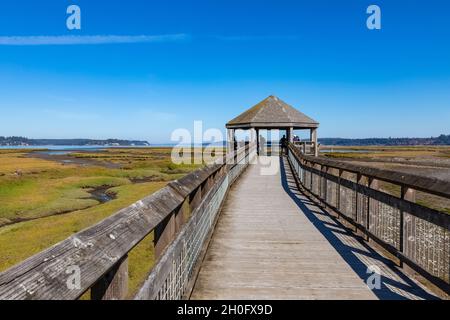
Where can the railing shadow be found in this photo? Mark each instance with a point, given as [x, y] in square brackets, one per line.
[332, 228]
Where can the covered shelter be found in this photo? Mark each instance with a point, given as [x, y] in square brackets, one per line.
[273, 114]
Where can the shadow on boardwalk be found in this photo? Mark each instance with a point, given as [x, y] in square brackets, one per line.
[395, 285]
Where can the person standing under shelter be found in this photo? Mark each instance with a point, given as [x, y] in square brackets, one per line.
[283, 145]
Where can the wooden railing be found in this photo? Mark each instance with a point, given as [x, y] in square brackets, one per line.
[270, 148]
[417, 235]
[181, 215]
[306, 147]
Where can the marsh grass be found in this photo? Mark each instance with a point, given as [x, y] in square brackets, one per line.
[389, 152]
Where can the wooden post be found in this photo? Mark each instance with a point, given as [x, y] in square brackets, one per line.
[314, 141]
[222, 172]
[253, 133]
[230, 144]
[290, 134]
[329, 195]
[257, 142]
[338, 193]
[164, 233]
[196, 198]
[182, 215]
[407, 194]
[373, 184]
[207, 185]
[323, 183]
[360, 180]
[317, 167]
[250, 140]
[114, 284]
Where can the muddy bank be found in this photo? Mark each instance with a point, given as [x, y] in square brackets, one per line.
[145, 179]
[64, 157]
[101, 194]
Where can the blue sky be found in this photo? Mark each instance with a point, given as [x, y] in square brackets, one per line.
[213, 59]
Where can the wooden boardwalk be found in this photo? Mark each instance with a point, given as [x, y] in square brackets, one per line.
[271, 242]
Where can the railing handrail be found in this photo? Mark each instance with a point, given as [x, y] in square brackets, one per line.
[97, 249]
[388, 220]
[421, 183]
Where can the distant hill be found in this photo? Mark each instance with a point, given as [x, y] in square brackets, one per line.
[21, 141]
[437, 141]
[433, 141]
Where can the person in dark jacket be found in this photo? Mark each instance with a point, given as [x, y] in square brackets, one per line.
[283, 145]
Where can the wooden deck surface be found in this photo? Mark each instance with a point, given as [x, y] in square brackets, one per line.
[271, 242]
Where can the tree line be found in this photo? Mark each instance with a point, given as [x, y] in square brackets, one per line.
[20, 141]
[432, 141]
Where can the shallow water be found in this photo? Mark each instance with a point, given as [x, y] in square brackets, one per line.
[57, 148]
[346, 151]
[56, 153]
[101, 194]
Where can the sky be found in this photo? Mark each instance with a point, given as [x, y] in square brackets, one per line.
[141, 69]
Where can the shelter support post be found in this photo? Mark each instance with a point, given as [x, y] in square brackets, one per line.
[314, 141]
[257, 141]
[230, 140]
[290, 134]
